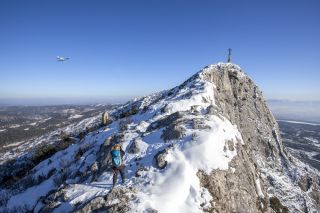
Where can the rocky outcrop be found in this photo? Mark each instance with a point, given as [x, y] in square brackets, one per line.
[160, 157]
[134, 147]
[172, 132]
[105, 118]
[262, 157]
[168, 120]
[116, 200]
[165, 134]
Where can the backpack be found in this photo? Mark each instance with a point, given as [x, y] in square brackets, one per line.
[116, 158]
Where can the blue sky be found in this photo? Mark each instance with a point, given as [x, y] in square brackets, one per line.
[120, 49]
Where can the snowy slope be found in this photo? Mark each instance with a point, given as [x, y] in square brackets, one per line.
[184, 124]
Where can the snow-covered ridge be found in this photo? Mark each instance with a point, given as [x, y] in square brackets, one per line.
[207, 145]
[206, 141]
[193, 82]
[219, 67]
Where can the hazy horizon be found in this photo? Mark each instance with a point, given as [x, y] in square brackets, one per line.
[282, 109]
[104, 100]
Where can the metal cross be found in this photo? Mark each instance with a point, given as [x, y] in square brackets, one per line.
[229, 55]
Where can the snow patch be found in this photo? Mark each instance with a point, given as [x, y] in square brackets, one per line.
[75, 116]
[31, 195]
[14, 126]
[258, 187]
[311, 139]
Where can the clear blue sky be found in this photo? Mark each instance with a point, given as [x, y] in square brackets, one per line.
[133, 48]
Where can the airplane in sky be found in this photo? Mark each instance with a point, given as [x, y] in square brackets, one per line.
[62, 59]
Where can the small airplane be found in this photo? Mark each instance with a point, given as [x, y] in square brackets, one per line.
[61, 59]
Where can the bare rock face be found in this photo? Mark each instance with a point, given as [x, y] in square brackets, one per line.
[262, 165]
[165, 122]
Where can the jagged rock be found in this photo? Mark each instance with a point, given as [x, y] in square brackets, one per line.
[261, 177]
[50, 207]
[195, 110]
[103, 156]
[94, 167]
[105, 118]
[305, 183]
[52, 201]
[172, 132]
[118, 200]
[230, 145]
[199, 124]
[128, 112]
[97, 204]
[160, 157]
[234, 191]
[242, 103]
[117, 138]
[134, 147]
[277, 206]
[141, 170]
[165, 121]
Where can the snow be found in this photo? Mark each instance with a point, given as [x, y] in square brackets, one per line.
[13, 144]
[64, 159]
[75, 116]
[79, 192]
[31, 195]
[44, 120]
[259, 190]
[69, 111]
[300, 122]
[313, 140]
[207, 152]
[221, 66]
[2, 130]
[14, 126]
[176, 188]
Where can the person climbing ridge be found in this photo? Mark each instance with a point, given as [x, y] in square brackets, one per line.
[117, 154]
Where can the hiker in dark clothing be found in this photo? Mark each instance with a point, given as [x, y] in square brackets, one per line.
[117, 154]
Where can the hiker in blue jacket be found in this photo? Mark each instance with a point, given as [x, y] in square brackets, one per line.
[117, 154]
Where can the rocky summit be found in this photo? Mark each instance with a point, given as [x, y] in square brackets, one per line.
[208, 145]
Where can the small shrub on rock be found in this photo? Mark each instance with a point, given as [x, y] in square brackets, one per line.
[123, 124]
[43, 152]
[64, 136]
[131, 111]
[276, 205]
[60, 179]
